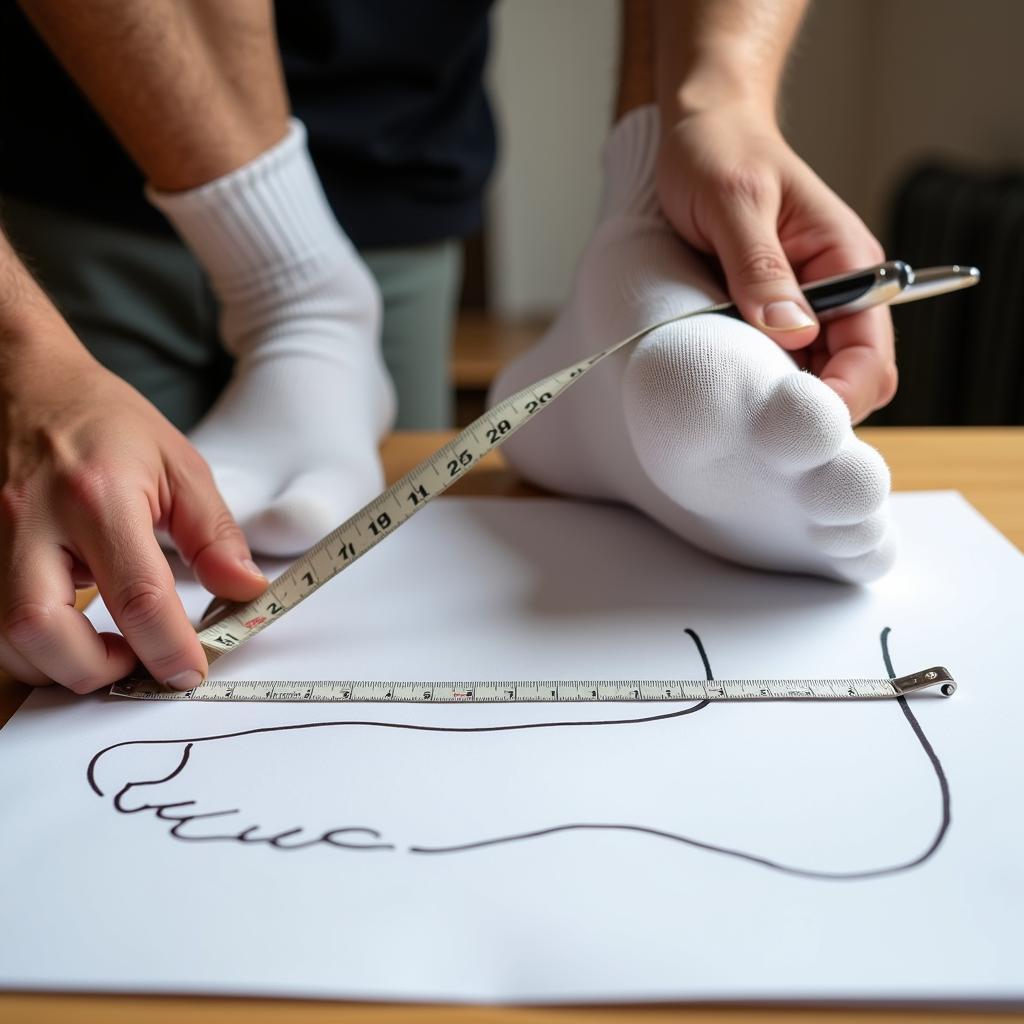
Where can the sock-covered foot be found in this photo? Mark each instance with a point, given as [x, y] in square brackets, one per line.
[292, 441]
[705, 425]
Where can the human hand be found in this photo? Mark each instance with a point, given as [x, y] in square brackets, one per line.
[89, 470]
[731, 186]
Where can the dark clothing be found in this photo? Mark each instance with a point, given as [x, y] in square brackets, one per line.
[391, 92]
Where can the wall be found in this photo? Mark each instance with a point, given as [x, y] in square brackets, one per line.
[552, 78]
[950, 83]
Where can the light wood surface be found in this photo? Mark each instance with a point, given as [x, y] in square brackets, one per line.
[484, 345]
[985, 464]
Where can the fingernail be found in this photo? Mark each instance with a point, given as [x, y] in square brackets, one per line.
[187, 680]
[250, 566]
[785, 316]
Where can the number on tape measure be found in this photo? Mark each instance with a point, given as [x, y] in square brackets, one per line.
[236, 624]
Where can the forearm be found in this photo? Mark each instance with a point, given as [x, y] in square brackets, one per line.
[192, 88]
[714, 52]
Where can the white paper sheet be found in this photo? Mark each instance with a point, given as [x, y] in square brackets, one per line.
[771, 851]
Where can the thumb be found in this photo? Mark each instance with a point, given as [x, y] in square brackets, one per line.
[209, 539]
[759, 277]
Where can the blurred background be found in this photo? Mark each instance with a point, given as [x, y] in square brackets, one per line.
[912, 110]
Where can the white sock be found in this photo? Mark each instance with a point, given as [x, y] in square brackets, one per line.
[705, 425]
[292, 441]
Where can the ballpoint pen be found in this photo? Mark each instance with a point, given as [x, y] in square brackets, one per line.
[889, 283]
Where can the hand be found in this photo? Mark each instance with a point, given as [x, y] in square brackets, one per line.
[89, 470]
[731, 186]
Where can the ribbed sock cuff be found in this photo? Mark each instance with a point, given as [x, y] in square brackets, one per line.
[266, 223]
[629, 157]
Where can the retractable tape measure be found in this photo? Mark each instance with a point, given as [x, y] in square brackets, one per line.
[228, 626]
[334, 691]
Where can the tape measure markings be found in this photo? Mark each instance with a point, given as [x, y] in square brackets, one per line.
[377, 691]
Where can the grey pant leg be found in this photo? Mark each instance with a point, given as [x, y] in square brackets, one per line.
[138, 302]
[420, 286]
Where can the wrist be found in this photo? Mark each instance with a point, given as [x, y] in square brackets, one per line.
[23, 304]
[718, 86]
[32, 331]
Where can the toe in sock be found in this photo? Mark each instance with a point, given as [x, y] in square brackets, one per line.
[292, 441]
[706, 425]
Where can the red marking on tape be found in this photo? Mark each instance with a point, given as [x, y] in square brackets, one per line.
[253, 623]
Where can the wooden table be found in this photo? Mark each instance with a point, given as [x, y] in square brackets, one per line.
[484, 345]
[985, 464]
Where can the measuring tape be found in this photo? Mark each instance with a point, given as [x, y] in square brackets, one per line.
[228, 626]
[236, 624]
[369, 691]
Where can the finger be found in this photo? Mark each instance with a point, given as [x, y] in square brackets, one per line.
[207, 536]
[42, 627]
[15, 666]
[861, 366]
[743, 231]
[858, 360]
[81, 575]
[137, 586]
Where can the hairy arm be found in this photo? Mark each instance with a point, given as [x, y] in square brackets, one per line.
[192, 88]
[708, 52]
